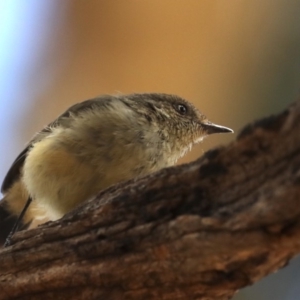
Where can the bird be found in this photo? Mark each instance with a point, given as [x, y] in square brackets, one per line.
[93, 145]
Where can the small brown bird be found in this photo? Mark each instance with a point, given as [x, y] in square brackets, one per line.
[95, 144]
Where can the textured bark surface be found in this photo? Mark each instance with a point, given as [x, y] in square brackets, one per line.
[197, 231]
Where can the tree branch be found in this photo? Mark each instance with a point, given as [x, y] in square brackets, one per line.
[197, 231]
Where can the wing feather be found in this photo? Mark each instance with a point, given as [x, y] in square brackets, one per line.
[64, 120]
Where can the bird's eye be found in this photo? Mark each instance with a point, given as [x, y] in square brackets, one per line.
[182, 109]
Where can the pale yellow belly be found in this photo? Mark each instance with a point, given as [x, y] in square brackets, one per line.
[58, 180]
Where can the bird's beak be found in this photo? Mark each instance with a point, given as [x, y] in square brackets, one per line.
[210, 128]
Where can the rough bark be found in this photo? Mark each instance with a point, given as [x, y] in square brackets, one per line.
[197, 231]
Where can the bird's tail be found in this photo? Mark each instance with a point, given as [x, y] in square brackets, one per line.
[10, 210]
[7, 221]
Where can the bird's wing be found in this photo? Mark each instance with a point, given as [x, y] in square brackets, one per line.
[64, 120]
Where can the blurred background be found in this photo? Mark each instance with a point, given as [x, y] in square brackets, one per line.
[236, 60]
